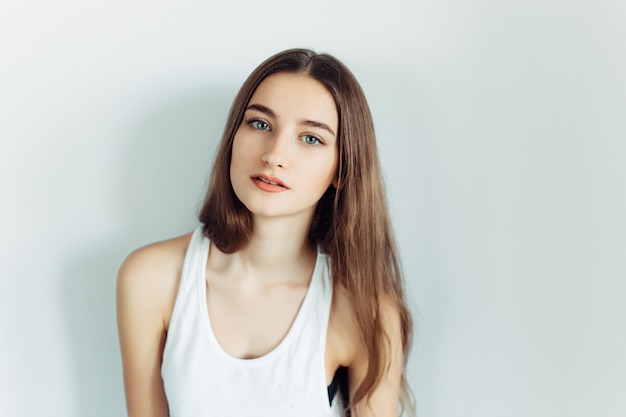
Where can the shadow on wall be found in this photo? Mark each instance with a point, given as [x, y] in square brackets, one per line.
[161, 177]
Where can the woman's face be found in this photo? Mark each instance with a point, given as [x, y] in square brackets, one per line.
[284, 153]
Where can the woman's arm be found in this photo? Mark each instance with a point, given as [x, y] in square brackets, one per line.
[384, 400]
[146, 290]
[345, 348]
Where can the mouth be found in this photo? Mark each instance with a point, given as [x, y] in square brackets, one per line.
[270, 180]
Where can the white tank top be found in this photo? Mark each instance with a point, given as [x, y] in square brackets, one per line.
[202, 380]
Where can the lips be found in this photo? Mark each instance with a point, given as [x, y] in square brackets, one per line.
[270, 181]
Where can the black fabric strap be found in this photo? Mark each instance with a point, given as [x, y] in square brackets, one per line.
[340, 383]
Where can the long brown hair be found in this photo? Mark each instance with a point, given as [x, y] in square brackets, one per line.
[351, 222]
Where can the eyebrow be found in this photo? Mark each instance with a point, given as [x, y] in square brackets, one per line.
[269, 112]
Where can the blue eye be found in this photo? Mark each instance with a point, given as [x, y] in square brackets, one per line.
[259, 125]
[310, 140]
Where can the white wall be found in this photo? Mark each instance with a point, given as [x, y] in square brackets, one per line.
[503, 138]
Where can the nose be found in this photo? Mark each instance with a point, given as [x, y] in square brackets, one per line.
[276, 154]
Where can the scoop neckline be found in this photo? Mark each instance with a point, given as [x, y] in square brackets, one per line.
[296, 325]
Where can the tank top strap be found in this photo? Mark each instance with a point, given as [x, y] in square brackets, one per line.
[184, 306]
[196, 256]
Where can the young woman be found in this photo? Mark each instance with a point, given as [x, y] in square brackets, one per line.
[291, 287]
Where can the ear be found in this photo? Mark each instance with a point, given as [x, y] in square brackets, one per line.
[336, 182]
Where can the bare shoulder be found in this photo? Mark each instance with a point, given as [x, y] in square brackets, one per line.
[343, 328]
[162, 253]
[152, 273]
[343, 336]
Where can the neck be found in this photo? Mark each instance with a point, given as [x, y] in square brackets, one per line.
[279, 249]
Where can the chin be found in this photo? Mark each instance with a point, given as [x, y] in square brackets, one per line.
[269, 212]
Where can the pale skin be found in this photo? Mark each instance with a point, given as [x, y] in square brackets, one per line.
[254, 294]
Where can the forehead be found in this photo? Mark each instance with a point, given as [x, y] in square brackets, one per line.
[297, 95]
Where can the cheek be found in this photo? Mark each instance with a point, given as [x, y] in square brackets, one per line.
[237, 167]
[237, 155]
[327, 172]
[333, 166]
